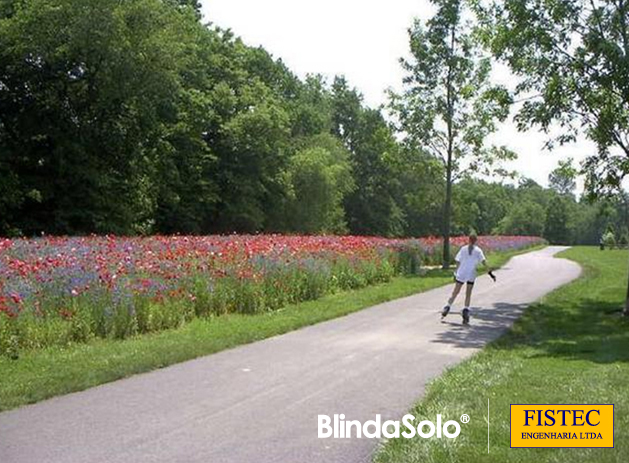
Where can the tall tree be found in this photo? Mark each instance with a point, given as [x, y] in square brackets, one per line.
[563, 178]
[372, 208]
[449, 105]
[319, 176]
[572, 60]
[249, 133]
[91, 93]
[421, 192]
[559, 220]
[479, 205]
[524, 218]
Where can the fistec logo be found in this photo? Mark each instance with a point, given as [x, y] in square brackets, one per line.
[542, 425]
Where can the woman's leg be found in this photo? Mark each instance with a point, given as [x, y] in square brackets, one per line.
[455, 292]
[468, 300]
[468, 295]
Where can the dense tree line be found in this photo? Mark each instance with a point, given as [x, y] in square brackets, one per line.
[529, 209]
[134, 118]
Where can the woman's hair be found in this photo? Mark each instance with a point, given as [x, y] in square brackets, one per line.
[473, 239]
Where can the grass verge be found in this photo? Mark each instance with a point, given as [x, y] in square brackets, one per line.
[572, 347]
[45, 373]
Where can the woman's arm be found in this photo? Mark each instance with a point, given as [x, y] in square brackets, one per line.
[490, 270]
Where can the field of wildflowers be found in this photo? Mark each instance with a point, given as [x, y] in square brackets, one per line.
[56, 291]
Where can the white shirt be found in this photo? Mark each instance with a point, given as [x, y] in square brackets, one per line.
[468, 263]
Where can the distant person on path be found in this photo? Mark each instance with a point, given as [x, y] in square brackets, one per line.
[468, 259]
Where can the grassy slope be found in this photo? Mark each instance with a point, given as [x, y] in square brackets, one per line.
[54, 371]
[573, 347]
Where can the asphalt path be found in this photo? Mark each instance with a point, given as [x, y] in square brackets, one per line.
[259, 402]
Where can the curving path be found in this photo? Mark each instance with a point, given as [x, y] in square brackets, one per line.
[259, 403]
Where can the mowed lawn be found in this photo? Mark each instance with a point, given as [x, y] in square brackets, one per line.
[572, 347]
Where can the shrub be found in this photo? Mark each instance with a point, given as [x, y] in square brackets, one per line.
[609, 240]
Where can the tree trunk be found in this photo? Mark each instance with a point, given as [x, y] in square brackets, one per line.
[447, 212]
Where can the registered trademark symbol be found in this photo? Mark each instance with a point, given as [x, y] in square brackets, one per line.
[465, 419]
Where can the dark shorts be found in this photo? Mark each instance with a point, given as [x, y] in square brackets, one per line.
[469, 283]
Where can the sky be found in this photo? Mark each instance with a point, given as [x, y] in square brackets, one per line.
[364, 41]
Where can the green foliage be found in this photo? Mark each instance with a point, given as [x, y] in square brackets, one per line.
[449, 106]
[558, 226]
[90, 109]
[609, 239]
[319, 178]
[525, 218]
[573, 56]
[623, 239]
[480, 206]
[373, 208]
[563, 178]
[194, 4]
[495, 208]
[593, 220]
[251, 157]
[134, 118]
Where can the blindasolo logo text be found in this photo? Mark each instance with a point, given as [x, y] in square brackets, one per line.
[543, 425]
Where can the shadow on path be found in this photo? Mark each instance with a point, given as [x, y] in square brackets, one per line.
[594, 331]
[485, 326]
